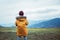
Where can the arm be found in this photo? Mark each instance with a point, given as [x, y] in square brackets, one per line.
[16, 23]
[26, 22]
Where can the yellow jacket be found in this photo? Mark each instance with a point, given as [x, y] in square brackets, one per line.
[21, 24]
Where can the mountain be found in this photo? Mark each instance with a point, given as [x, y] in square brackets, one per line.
[53, 23]
[1, 26]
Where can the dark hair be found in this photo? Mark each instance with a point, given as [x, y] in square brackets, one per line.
[21, 13]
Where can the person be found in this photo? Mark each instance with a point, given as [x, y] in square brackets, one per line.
[21, 24]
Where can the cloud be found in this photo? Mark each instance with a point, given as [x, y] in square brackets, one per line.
[45, 10]
[33, 9]
[43, 13]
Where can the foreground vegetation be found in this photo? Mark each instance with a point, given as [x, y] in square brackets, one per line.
[34, 34]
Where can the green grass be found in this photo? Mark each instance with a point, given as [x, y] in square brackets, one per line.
[33, 33]
[31, 29]
[7, 29]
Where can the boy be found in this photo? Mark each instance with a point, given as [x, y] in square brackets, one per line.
[21, 23]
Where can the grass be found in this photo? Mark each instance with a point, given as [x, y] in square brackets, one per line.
[33, 33]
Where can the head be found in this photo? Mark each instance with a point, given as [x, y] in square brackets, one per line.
[21, 13]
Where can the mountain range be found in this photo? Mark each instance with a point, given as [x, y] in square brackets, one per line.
[53, 23]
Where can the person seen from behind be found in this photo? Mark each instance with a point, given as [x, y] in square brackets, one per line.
[21, 24]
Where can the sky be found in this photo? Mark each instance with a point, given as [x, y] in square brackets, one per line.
[35, 10]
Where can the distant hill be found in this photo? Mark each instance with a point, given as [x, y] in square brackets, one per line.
[1, 26]
[53, 23]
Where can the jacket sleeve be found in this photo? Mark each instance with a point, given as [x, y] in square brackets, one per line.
[16, 22]
[26, 22]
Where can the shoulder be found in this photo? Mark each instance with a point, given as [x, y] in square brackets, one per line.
[20, 17]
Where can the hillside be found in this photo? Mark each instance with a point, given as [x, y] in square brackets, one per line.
[53, 23]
